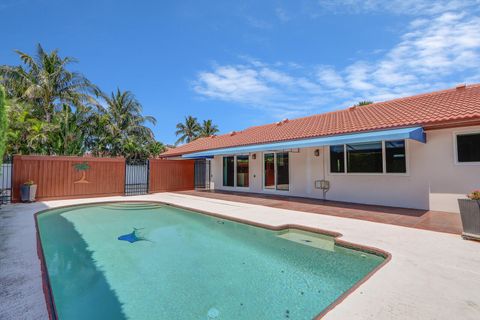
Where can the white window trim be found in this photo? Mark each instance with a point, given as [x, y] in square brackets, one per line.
[384, 163]
[455, 148]
[275, 189]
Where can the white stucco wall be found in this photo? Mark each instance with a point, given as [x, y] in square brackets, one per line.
[433, 181]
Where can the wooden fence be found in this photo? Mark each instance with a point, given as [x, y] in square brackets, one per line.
[69, 177]
[60, 177]
[171, 175]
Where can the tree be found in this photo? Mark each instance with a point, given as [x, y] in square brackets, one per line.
[155, 148]
[55, 111]
[68, 136]
[120, 127]
[3, 123]
[187, 131]
[364, 103]
[208, 129]
[45, 82]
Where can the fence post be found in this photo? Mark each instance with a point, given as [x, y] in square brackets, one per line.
[148, 176]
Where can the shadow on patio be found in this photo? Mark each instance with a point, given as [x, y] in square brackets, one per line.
[421, 219]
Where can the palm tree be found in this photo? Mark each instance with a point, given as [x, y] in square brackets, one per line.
[208, 129]
[45, 83]
[121, 123]
[68, 138]
[187, 131]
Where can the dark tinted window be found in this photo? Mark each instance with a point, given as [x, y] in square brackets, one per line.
[395, 156]
[337, 158]
[365, 157]
[468, 147]
[228, 171]
[282, 171]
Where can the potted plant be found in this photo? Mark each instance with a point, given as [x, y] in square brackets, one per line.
[470, 213]
[28, 190]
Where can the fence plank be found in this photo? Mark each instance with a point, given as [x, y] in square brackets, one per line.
[58, 178]
[171, 175]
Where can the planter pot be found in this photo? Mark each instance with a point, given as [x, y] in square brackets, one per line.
[470, 213]
[28, 192]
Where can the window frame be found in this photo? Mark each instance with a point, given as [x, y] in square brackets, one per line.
[384, 162]
[235, 171]
[275, 189]
[455, 147]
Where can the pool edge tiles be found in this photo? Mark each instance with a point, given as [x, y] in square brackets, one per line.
[279, 231]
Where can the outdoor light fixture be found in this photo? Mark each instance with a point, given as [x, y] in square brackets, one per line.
[317, 152]
[254, 156]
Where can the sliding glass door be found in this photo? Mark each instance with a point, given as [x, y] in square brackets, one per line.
[228, 171]
[276, 171]
[269, 171]
[236, 171]
[242, 171]
[283, 176]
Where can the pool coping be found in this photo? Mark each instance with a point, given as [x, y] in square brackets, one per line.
[47, 289]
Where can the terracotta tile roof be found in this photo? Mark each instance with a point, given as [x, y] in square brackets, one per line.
[436, 108]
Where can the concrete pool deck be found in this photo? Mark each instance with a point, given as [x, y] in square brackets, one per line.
[431, 275]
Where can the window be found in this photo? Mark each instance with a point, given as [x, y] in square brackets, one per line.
[242, 171]
[337, 158]
[276, 171]
[369, 157]
[468, 147]
[365, 157]
[269, 171]
[395, 156]
[282, 171]
[228, 171]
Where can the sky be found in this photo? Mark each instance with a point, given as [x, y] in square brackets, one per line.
[246, 63]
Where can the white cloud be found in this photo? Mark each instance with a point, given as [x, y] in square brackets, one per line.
[433, 53]
[409, 7]
[329, 77]
[232, 83]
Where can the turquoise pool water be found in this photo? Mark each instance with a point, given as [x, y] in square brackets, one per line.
[187, 265]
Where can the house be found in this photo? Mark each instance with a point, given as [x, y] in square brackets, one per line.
[418, 152]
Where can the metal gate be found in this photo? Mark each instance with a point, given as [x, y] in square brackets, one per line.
[202, 174]
[6, 174]
[136, 177]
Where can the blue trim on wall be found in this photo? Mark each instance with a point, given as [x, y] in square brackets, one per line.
[414, 133]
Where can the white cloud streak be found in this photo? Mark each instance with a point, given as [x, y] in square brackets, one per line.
[404, 7]
[435, 52]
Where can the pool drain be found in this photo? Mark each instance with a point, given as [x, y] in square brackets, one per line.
[213, 313]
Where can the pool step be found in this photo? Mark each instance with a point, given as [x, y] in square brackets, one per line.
[132, 206]
[311, 239]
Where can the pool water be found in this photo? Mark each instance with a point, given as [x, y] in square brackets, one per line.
[187, 265]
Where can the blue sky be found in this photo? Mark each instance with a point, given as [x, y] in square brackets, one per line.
[243, 63]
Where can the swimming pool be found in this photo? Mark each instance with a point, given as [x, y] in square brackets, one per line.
[155, 261]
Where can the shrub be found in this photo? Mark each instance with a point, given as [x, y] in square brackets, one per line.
[474, 195]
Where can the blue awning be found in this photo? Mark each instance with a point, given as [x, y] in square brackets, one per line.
[415, 133]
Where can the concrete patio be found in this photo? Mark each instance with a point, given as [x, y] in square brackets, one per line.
[432, 275]
[420, 219]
